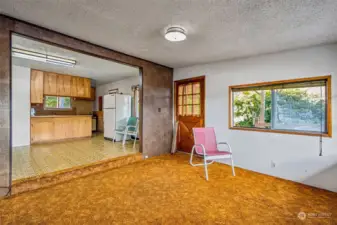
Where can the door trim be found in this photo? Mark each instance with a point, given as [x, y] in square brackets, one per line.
[202, 97]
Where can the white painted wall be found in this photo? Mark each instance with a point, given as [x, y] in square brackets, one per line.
[20, 106]
[123, 86]
[296, 157]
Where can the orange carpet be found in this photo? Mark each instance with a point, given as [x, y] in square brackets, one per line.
[167, 190]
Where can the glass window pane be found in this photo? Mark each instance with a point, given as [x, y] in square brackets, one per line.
[300, 109]
[188, 89]
[196, 88]
[50, 102]
[188, 99]
[196, 99]
[180, 100]
[184, 110]
[180, 110]
[188, 110]
[64, 102]
[252, 109]
[196, 110]
[180, 89]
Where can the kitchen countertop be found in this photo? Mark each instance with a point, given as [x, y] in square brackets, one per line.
[62, 116]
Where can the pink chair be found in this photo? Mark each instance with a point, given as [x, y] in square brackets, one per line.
[205, 145]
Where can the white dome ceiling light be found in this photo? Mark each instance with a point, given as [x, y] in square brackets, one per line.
[175, 34]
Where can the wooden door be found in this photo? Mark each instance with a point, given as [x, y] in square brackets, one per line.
[50, 84]
[190, 110]
[63, 85]
[36, 86]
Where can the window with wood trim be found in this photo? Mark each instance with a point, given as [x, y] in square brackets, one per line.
[301, 106]
[189, 102]
[55, 102]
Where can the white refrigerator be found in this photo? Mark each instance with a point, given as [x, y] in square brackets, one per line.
[116, 111]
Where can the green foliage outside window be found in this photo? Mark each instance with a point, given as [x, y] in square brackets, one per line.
[296, 106]
[54, 102]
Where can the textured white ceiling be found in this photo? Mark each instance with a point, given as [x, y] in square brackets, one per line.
[103, 71]
[217, 29]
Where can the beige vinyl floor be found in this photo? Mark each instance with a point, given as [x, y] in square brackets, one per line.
[38, 159]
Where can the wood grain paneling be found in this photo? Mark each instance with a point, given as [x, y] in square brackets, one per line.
[156, 125]
[36, 86]
[63, 85]
[53, 128]
[50, 83]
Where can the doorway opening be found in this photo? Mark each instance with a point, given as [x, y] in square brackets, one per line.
[70, 109]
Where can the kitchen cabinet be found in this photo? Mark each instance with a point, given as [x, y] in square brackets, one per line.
[53, 84]
[54, 128]
[80, 87]
[87, 87]
[63, 84]
[36, 86]
[93, 94]
[50, 84]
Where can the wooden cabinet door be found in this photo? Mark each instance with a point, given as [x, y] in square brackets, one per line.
[77, 87]
[36, 86]
[42, 129]
[63, 84]
[50, 84]
[93, 94]
[73, 86]
[87, 87]
[80, 87]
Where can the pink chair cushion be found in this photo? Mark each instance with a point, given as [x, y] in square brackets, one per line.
[206, 137]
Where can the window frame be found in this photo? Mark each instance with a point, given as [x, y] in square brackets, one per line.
[59, 109]
[202, 81]
[328, 108]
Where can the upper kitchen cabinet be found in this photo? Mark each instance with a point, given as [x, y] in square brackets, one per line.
[50, 83]
[87, 88]
[36, 86]
[80, 87]
[93, 94]
[63, 84]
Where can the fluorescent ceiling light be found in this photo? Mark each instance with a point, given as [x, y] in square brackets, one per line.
[26, 54]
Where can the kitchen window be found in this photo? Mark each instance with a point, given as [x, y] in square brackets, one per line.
[55, 102]
[301, 106]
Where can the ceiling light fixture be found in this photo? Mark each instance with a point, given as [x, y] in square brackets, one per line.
[175, 34]
[26, 54]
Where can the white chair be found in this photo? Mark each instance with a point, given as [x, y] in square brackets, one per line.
[131, 129]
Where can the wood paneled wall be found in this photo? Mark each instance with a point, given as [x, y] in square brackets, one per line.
[156, 89]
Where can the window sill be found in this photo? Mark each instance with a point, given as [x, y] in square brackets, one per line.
[281, 131]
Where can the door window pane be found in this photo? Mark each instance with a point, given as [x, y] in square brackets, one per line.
[196, 110]
[180, 110]
[188, 89]
[189, 110]
[196, 88]
[196, 99]
[180, 100]
[188, 99]
[180, 89]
